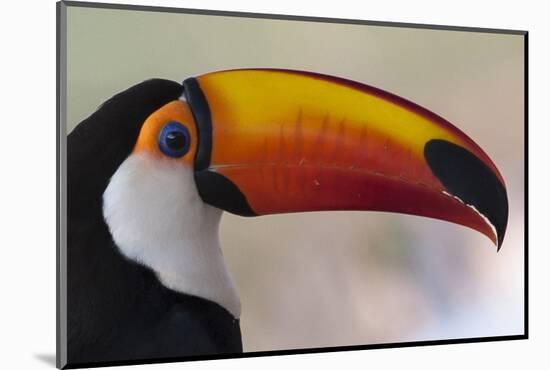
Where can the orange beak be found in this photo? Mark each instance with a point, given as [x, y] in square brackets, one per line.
[279, 141]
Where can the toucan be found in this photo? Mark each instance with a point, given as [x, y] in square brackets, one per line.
[151, 171]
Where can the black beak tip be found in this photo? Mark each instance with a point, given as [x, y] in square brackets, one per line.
[468, 178]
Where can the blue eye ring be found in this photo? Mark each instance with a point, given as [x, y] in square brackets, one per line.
[174, 139]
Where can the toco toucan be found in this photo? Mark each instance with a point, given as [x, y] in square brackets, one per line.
[150, 173]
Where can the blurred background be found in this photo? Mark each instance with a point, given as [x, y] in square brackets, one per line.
[342, 278]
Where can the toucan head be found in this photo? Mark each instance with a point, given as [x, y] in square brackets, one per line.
[262, 141]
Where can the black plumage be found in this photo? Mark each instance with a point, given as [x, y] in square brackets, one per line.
[116, 308]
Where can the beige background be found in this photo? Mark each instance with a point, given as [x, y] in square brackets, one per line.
[329, 279]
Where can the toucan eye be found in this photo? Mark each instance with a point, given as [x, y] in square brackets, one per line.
[174, 139]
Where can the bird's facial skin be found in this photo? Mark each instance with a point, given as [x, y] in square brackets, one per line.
[170, 132]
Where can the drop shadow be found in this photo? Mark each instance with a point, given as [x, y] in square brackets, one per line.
[47, 358]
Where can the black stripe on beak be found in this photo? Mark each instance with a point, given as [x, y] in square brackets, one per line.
[201, 112]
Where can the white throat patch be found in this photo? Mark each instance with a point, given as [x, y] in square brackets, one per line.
[157, 218]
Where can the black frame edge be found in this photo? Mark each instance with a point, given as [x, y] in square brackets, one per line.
[301, 351]
[225, 13]
[526, 186]
[61, 292]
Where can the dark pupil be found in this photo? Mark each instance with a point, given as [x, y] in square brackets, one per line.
[175, 140]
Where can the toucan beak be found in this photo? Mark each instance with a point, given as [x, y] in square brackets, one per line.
[279, 141]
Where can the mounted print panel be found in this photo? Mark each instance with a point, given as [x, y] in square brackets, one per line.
[237, 184]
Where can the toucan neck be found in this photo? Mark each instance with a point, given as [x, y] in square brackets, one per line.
[197, 267]
[157, 218]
